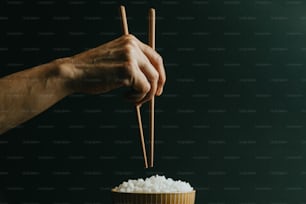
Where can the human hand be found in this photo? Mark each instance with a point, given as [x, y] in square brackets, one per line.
[124, 61]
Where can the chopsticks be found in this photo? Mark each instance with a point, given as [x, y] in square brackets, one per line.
[152, 102]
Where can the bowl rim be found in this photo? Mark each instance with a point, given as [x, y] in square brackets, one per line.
[113, 190]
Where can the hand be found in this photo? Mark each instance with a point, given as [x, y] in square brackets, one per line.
[124, 61]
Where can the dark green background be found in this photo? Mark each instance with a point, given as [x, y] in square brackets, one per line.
[231, 120]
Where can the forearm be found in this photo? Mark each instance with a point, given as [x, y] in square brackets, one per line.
[25, 94]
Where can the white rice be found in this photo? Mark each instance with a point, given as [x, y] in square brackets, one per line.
[154, 184]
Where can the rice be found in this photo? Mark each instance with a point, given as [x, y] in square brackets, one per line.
[154, 184]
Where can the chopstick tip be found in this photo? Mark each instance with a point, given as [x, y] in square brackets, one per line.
[152, 11]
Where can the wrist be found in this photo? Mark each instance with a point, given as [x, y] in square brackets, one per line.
[66, 73]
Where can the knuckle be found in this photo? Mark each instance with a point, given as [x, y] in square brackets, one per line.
[128, 48]
[146, 88]
[130, 39]
[154, 77]
[159, 59]
[131, 36]
[128, 36]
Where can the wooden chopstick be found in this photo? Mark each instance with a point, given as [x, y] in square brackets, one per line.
[144, 152]
[152, 102]
[124, 20]
[126, 32]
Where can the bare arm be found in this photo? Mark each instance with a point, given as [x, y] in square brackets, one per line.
[122, 62]
[27, 93]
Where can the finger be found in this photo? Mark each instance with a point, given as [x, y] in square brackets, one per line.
[151, 75]
[157, 61]
[141, 87]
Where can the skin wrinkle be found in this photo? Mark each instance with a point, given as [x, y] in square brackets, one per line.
[124, 61]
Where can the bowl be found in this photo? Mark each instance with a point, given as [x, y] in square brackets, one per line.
[153, 198]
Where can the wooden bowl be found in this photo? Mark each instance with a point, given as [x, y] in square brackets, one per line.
[153, 198]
